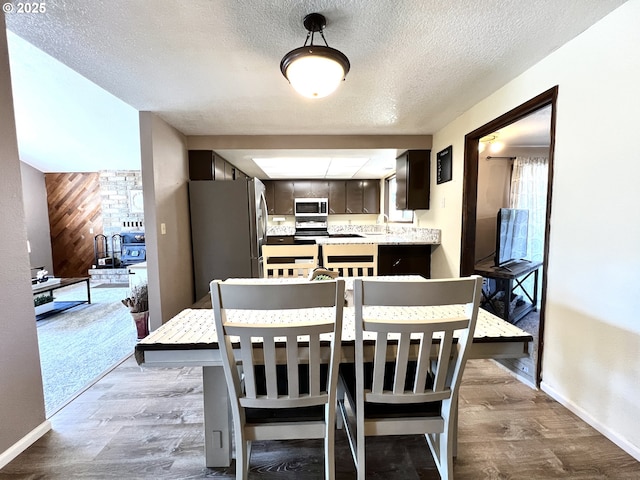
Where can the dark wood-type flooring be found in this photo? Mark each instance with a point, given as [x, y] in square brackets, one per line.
[147, 424]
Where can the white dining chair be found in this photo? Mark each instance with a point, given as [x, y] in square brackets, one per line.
[280, 393]
[289, 260]
[408, 367]
[351, 260]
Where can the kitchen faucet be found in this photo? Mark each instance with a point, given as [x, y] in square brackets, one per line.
[385, 219]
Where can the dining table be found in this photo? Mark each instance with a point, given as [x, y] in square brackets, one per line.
[189, 340]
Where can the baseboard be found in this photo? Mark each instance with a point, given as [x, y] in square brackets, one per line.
[624, 444]
[24, 443]
[516, 373]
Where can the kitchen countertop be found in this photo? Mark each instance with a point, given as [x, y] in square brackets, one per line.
[398, 235]
[378, 238]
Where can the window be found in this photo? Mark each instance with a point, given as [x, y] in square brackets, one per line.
[394, 214]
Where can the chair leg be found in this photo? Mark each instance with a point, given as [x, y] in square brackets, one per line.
[339, 401]
[441, 446]
[362, 459]
[243, 449]
[446, 456]
[329, 454]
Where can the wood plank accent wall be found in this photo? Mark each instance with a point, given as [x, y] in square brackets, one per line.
[74, 207]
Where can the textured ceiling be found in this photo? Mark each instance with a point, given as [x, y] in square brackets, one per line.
[211, 67]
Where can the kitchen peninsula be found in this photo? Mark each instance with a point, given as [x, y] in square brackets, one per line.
[401, 251]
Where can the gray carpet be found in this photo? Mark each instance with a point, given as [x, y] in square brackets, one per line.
[78, 345]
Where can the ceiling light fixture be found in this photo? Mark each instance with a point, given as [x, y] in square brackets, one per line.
[492, 142]
[315, 71]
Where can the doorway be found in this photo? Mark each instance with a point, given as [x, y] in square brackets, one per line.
[471, 206]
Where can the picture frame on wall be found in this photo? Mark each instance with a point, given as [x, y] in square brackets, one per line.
[444, 158]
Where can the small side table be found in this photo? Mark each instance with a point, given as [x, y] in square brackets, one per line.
[56, 283]
[507, 279]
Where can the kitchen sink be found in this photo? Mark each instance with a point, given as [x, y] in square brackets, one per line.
[345, 235]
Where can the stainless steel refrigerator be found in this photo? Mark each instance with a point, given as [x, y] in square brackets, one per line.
[228, 229]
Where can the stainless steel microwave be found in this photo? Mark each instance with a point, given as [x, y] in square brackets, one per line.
[311, 206]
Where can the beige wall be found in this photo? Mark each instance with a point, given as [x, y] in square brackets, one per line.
[494, 179]
[165, 172]
[592, 336]
[401, 142]
[36, 213]
[21, 397]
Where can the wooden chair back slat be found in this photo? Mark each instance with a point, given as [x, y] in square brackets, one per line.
[321, 307]
[302, 260]
[420, 380]
[440, 292]
[407, 331]
[304, 295]
[402, 358]
[351, 260]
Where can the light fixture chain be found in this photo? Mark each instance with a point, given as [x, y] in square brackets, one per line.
[309, 35]
[322, 35]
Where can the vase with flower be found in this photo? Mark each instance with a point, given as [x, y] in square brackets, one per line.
[138, 304]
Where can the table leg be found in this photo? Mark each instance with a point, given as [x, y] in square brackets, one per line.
[535, 289]
[505, 286]
[217, 421]
[88, 292]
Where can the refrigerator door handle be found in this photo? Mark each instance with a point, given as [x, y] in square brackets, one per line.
[263, 204]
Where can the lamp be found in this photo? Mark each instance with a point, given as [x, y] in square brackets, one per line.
[315, 71]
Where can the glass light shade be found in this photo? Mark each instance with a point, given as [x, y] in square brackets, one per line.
[315, 71]
[315, 76]
[496, 147]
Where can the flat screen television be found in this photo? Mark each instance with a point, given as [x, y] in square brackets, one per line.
[511, 235]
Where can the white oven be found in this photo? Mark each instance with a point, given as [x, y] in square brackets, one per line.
[311, 206]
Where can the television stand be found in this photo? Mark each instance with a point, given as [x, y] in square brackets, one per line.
[508, 278]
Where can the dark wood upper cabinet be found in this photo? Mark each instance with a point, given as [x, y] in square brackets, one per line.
[284, 193]
[201, 164]
[208, 165]
[302, 189]
[270, 196]
[337, 197]
[412, 180]
[319, 189]
[219, 168]
[363, 196]
[229, 171]
[345, 196]
[279, 195]
[354, 197]
[371, 196]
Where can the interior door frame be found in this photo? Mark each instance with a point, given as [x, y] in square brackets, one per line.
[470, 193]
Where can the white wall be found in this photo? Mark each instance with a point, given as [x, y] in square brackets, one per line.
[36, 212]
[165, 172]
[591, 358]
[21, 396]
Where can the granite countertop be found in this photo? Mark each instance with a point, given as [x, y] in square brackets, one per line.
[397, 235]
[380, 239]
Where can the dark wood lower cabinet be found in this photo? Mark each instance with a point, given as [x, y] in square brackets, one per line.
[280, 240]
[404, 260]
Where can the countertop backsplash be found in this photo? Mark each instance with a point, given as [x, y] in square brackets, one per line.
[428, 235]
